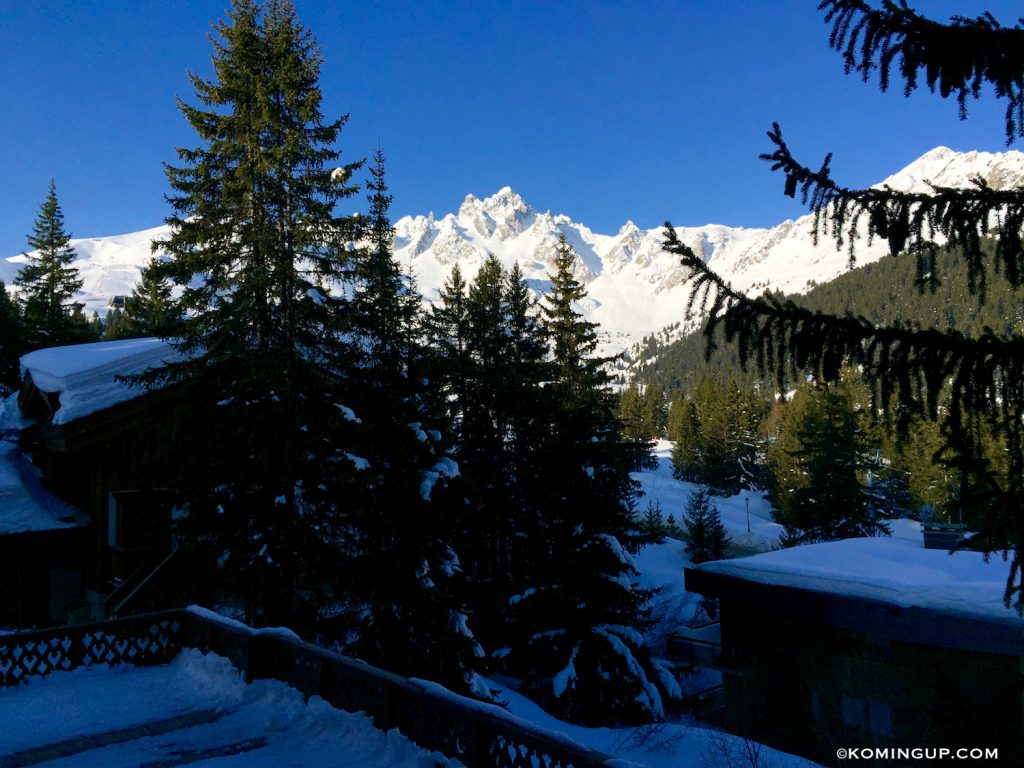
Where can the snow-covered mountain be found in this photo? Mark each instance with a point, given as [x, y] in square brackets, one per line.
[634, 287]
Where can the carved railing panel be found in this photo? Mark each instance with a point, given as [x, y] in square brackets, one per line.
[152, 639]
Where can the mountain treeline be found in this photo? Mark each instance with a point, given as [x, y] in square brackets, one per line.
[833, 466]
[884, 292]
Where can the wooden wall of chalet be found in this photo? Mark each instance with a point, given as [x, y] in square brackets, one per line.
[116, 449]
[41, 577]
[809, 688]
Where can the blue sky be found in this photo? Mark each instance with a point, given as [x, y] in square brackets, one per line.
[606, 111]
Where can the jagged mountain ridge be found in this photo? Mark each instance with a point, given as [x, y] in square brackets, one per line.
[634, 287]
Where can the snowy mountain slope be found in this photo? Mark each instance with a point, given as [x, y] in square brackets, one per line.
[109, 266]
[634, 287]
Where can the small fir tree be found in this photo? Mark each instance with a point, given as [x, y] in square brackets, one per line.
[49, 280]
[703, 532]
[652, 525]
[151, 309]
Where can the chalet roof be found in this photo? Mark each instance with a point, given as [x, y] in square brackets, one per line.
[894, 571]
[25, 506]
[78, 380]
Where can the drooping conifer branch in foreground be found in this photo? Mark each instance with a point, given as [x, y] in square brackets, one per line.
[977, 382]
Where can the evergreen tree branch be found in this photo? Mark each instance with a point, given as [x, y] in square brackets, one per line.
[955, 59]
[978, 381]
[912, 221]
[783, 336]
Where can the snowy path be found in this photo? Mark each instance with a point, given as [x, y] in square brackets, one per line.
[194, 711]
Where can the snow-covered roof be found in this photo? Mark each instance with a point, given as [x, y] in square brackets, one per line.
[894, 571]
[25, 506]
[84, 376]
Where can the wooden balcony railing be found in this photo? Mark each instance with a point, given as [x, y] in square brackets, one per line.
[478, 735]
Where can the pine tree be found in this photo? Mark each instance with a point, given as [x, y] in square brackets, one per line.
[48, 282]
[575, 635]
[399, 574]
[491, 356]
[715, 429]
[643, 419]
[912, 370]
[150, 310]
[95, 331]
[684, 432]
[652, 525]
[255, 247]
[112, 324]
[447, 328]
[819, 462]
[703, 532]
[630, 411]
[727, 443]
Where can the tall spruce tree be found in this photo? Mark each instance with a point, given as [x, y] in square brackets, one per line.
[49, 280]
[913, 368]
[399, 576]
[575, 630]
[491, 354]
[255, 247]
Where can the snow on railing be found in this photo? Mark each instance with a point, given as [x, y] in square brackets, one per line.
[432, 717]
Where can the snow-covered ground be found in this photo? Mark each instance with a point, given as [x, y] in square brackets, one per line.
[660, 745]
[661, 565]
[196, 710]
[757, 532]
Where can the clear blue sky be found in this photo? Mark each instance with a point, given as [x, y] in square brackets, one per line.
[606, 111]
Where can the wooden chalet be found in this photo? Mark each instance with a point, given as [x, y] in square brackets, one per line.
[868, 643]
[94, 437]
[42, 542]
